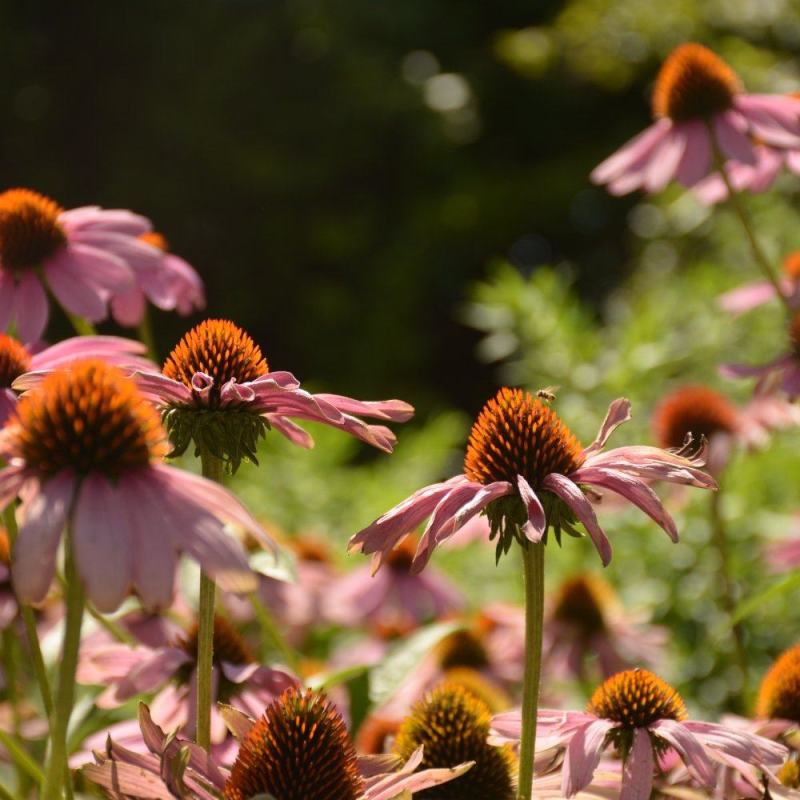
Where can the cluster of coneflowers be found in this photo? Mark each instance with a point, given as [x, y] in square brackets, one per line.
[97, 517]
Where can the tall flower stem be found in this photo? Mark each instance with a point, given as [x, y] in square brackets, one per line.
[29, 623]
[735, 201]
[57, 777]
[212, 468]
[82, 326]
[533, 561]
[146, 336]
[720, 540]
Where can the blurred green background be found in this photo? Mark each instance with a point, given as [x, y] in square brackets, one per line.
[392, 198]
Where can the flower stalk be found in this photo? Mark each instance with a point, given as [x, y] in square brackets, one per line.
[212, 468]
[533, 562]
[58, 778]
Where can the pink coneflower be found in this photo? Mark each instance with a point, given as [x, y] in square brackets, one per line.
[169, 283]
[169, 670]
[643, 718]
[297, 750]
[585, 619]
[753, 295]
[25, 364]
[700, 411]
[85, 447]
[527, 472]
[394, 595]
[217, 367]
[698, 104]
[782, 373]
[82, 256]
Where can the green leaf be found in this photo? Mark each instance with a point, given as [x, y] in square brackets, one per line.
[20, 756]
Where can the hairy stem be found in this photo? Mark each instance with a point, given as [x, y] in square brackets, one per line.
[533, 561]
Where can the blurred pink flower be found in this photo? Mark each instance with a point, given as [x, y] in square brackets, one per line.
[169, 670]
[21, 365]
[699, 104]
[753, 295]
[527, 472]
[393, 596]
[783, 373]
[83, 256]
[641, 716]
[86, 447]
[169, 283]
[585, 619]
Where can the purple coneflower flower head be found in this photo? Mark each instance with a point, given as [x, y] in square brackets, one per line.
[82, 256]
[394, 595]
[527, 472]
[85, 447]
[169, 671]
[216, 390]
[22, 366]
[779, 693]
[169, 283]
[586, 619]
[297, 750]
[699, 105]
[783, 373]
[698, 411]
[642, 717]
[752, 295]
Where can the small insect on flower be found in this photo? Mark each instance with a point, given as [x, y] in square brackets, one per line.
[82, 256]
[643, 718]
[86, 447]
[217, 391]
[699, 107]
[528, 473]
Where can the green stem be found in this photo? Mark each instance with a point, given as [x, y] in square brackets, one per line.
[213, 469]
[10, 663]
[82, 326]
[271, 633]
[735, 201]
[146, 336]
[57, 777]
[29, 622]
[728, 598]
[533, 561]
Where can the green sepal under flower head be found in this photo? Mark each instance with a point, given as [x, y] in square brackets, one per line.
[229, 434]
[507, 516]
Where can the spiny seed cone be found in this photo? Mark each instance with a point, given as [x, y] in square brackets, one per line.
[29, 229]
[453, 725]
[581, 602]
[693, 83]
[5, 548]
[517, 434]
[299, 750]
[14, 361]
[696, 410]
[636, 698]
[88, 418]
[779, 694]
[217, 348]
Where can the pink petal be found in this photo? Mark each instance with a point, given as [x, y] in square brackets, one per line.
[636, 150]
[536, 525]
[43, 521]
[696, 159]
[689, 748]
[571, 494]
[77, 295]
[293, 432]
[127, 780]
[583, 755]
[618, 413]
[665, 159]
[30, 308]
[104, 219]
[162, 389]
[731, 132]
[747, 297]
[102, 541]
[637, 776]
[390, 410]
[95, 266]
[128, 307]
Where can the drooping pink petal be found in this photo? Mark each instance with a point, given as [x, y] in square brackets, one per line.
[665, 159]
[534, 529]
[731, 132]
[691, 751]
[83, 346]
[102, 541]
[94, 265]
[79, 297]
[739, 744]
[8, 402]
[583, 755]
[747, 297]
[651, 463]
[12, 479]
[151, 673]
[636, 150]
[127, 780]
[637, 775]
[128, 308]
[30, 308]
[696, 159]
[771, 118]
[390, 410]
[104, 219]
[162, 389]
[618, 413]
[571, 494]
[42, 522]
[293, 432]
